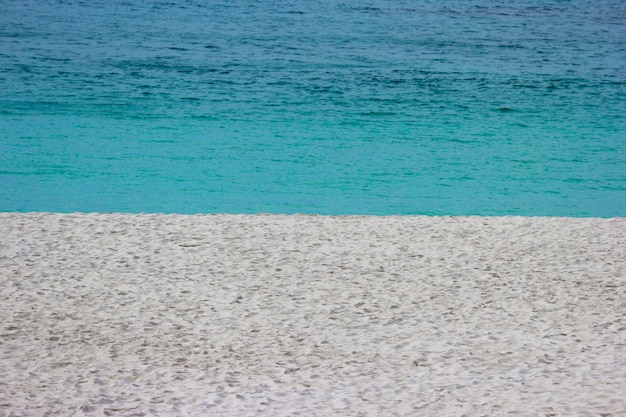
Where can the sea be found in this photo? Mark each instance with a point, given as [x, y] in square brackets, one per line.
[372, 107]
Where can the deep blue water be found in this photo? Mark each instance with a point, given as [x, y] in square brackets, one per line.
[335, 107]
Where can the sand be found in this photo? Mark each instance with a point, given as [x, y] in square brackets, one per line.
[272, 315]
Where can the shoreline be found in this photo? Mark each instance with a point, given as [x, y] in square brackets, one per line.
[270, 314]
[303, 214]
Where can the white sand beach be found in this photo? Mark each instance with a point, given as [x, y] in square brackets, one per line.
[275, 315]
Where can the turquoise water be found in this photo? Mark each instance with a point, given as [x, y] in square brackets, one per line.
[377, 107]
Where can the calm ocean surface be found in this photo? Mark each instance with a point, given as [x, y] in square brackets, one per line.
[454, 107]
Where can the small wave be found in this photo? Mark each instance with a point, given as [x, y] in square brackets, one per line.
[378, 114]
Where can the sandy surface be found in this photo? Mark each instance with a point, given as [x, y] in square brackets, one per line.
[228, 315]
